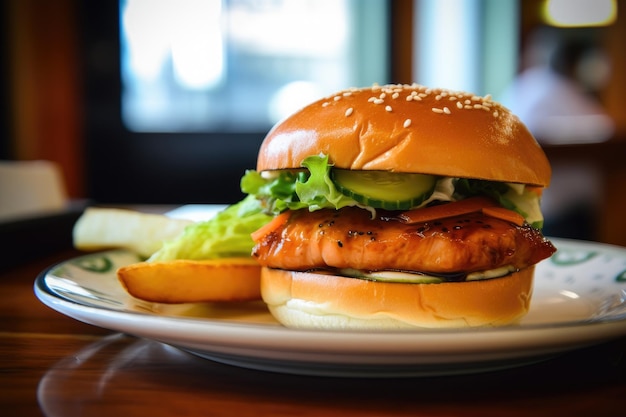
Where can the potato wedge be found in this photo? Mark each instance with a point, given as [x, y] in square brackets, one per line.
[103, 228]
[189, 281]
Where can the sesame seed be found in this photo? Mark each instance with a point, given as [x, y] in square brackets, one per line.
[371, 99]
[325, 104]
[467, 102]
[388, 108]
[382, 95]
[349, 111]
[478, 106]
[459, 105]
[495, 113]
[395, 95]
[337, 98]
[379, 101]
[446, 110]
[436, 110]
[438, 97]
[409, 98]
[468, 107]
[407, 123]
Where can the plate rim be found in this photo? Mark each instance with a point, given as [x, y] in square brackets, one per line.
[215, 336]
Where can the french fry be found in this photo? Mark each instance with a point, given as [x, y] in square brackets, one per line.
[103, 228]
[189, 281]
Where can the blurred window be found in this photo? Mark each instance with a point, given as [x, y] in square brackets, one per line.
[242, 65]
[466, 45]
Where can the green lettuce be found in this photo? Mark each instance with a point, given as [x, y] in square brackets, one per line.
[225, 235]
[312, 188]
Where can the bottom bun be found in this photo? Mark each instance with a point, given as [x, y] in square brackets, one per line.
[311, 300]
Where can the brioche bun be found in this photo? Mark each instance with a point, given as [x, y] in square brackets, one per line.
[410, 128]
[312, 300]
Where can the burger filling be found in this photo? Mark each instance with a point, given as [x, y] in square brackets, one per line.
[395, 227]
[318, 185]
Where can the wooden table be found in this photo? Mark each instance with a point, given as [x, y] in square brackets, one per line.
[53, 365]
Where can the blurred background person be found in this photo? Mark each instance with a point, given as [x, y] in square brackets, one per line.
[555, 93]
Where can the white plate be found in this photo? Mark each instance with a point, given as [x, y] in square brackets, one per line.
[579, 300]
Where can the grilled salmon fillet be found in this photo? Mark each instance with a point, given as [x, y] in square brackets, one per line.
[350, 238]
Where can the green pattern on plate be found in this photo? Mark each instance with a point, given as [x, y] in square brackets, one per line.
[566, 257]
[97, 263]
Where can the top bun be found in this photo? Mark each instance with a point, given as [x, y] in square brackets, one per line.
[410, 128]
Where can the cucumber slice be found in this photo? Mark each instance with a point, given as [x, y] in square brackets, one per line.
[383, 189]
[391, 276]
[415, 278]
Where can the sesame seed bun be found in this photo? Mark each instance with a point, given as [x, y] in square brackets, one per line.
[410, 129]
[311, 300]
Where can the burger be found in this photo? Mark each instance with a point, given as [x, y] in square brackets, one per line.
[399, 206]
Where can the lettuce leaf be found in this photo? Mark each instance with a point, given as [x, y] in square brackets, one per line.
[225, 235]
[311, 188]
